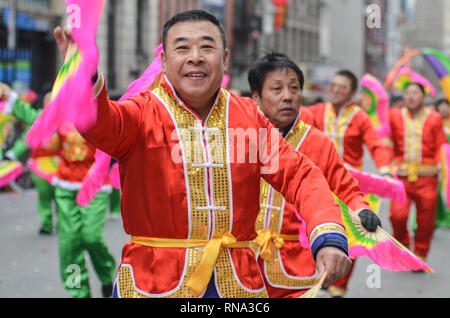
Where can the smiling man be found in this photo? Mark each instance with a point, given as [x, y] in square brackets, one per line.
[192, 221]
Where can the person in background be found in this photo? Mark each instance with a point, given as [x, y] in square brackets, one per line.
[350, 128]
[417, 135]
[277, 84]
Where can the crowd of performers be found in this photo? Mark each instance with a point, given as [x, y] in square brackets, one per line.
[219, 228]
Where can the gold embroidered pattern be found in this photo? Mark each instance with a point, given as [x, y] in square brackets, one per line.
[326, 229]
[218, 154]
[271, 217]
[335, 127]
[127, 289]
[75, 147]
[209, 194]
[413, 142]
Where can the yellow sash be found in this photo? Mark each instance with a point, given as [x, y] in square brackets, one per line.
[202, 274]
[268, 239]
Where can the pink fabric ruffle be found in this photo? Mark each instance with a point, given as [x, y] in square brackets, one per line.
[74, 102]
[389, 256]
[95, 179]
[380, 186]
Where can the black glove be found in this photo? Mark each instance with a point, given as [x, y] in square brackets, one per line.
[369, 220]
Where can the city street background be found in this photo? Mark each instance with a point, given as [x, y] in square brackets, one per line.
[321, 36]
[29, 263]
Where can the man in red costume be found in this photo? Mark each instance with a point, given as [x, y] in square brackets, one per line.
[277, 84]
[80, 229]
[417, 136]
[350, 128]
[188, 203]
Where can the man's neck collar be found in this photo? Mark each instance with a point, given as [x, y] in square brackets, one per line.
[345, 105]
[171, 89]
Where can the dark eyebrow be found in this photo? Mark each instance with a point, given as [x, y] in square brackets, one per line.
[206, 38]
[179, 40]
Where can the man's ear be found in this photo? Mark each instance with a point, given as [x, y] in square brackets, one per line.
[163, 61]
[226, 60]
[256, 98]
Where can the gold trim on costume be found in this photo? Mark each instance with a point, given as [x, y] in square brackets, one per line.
[326, 229]
[209, 193]
[270, 221]
[413, 145]
[336, 126]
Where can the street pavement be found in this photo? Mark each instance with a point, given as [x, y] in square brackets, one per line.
[29, 262]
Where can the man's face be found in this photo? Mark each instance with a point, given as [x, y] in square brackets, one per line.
[341, 90]
[281, 97]
[444, 109]
[414, 98]
[195, 61]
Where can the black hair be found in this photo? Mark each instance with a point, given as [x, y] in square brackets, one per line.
[269, 63]
[352, 77]
[441, 101]
[193, 15]
[422, 88]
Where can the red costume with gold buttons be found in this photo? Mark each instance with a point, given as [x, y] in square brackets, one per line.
[188, 201]
[417, 142]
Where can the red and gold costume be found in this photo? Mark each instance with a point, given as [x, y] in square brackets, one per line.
[292, 270]
[417, 142]
[350, 129]
[188, 217]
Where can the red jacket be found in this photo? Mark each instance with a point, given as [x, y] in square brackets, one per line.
[284, 276]
[170, 192]
[417, 142]
[350, 130]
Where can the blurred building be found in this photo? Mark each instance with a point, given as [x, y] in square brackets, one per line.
[131, 30]
[23, 48]
[429, 27]
[395, 32]
[375, 46]
[127, 36]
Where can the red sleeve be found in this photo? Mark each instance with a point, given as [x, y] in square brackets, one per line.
[306, 115]
[317, 112]
[441, 138]
[300, 182]
[381, 154]
[321, 150]
[118, 124]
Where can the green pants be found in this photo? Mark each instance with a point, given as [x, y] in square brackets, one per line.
[114, 201]
[81, 229]
[46, 195]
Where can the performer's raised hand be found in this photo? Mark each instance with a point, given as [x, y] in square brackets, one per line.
[5, 91]
[334, 262]
[63, 39]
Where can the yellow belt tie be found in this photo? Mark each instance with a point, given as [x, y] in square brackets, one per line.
[202, 274]
[413, 171]
[268, 239]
